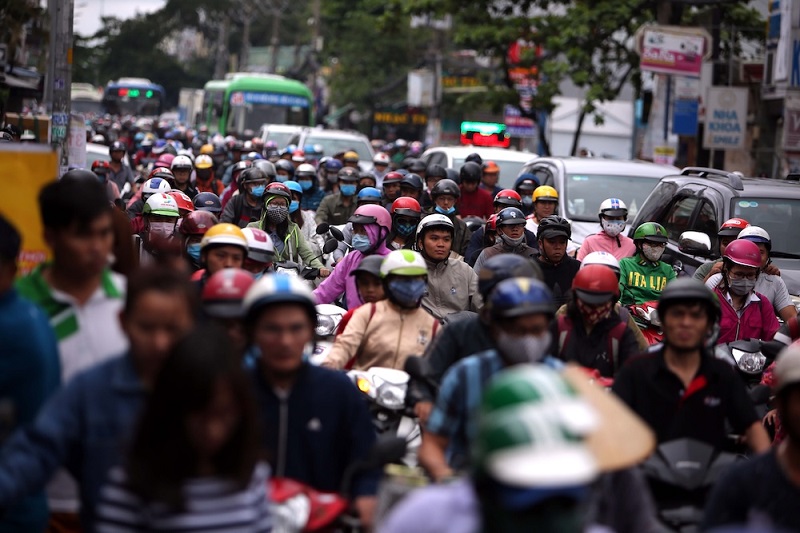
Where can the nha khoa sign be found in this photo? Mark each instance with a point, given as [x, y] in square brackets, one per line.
[726, 118]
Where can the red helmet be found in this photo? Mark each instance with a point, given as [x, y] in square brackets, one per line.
[198, 222]
[407, 207]
[224, 292]
[491, 223]
[508, 198]
[163, 173]
[100, 167]
[743, 252]
[596, 284]
[393, 177]
[732, 227]
[277, 188]
[183, 201]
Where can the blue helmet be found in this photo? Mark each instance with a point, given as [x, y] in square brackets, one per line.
[294, 186]
[369, 194]
[333, 165]
[208, 201]
[515, 297]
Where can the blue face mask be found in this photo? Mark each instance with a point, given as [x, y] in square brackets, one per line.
[446, 211]
[193, 251]
[306, 184]
[361, 243]
[407, 292]
[405, 229]
[347, 190]
[281, 178]
[258, 191]
[294, 206]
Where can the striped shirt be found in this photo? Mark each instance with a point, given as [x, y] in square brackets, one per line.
[211, 505]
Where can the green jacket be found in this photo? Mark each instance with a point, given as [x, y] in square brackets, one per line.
[295, 247]
[641, 280]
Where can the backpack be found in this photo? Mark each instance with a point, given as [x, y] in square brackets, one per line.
[565, 328]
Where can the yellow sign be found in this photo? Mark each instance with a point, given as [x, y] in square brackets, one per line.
[387, 117]
[26, 168]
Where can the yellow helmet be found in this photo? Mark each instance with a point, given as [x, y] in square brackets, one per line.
[545, 193]
[350, 157]
[207, 149]
[228, 234]
[203, 161]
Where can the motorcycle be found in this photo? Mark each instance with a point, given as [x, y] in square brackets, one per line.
[680, 474]
[750, 358]
[290, 268]
[386, 389]
[329, 316]
[646, 317]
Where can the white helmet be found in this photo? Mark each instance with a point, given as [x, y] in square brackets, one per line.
[613, 207]
[403, 263]
[161, 204]
[601, 258]
[259, 245]
[182, 162]
[435, 220]
[381, 159]
[755, 234]
[279, 289]
[154, 185]
[306, 169]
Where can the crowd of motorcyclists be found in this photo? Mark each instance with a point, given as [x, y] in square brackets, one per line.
[157, 370]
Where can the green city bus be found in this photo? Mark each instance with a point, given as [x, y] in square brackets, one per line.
[246, 100]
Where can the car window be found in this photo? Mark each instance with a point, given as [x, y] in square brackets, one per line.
[544, 175]
[679, 216]
[332, 146]
[282, 139]
[509, 170]
[779, 216]
[94, 155]
[438, 158]
[706, 222]
[583, 193]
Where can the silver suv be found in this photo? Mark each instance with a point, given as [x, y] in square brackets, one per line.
[333, 142]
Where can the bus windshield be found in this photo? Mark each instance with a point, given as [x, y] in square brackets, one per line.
[249, 110]
[87, 107]
[142, 101]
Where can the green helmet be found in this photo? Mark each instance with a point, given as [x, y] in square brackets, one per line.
[650, 231]
[531, 430]
[403, 263]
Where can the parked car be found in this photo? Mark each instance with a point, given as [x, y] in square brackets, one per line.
[99, 152]
[279, 133]
[701, 199]
[509, 161]
[334, 141]
[583, 183]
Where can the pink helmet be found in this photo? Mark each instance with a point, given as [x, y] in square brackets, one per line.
[372, 214]
[743, 252]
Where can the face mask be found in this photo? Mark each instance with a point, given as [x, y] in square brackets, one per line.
[258, 191]
[448, 212]
[407, 292]
[741, 287]
[523, 348]
[280, 178]
[277, 213]
[202, 176]
[405, 229]
[527, 204]
[347, 190]
[652, 253]
[361, 243]
[591, 314]
[613, 227]
[512, 242]
[162, 229]
[294, 206]
[193, 251]
[306, 184]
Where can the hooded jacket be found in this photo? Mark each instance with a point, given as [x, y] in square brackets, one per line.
[340, 281]
[295, 246]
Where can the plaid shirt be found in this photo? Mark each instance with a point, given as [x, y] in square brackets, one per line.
[454, 414]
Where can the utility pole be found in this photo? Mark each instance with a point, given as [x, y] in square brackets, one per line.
[221, 63]
[59, 77]
[275, 41]
[244, 54]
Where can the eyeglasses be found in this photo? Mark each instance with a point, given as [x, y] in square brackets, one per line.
[741, 276]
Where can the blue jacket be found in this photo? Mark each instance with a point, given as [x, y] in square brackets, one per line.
[311, 199]
[83, 427]
[29, 373]
[326, 427]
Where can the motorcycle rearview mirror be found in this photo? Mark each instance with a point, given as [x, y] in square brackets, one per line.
[310, 273]
[323, 228]
[336, 233]
[695, 243]
[329, 246]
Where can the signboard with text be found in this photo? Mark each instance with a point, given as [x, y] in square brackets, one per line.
[726, 118]
[519, 126]
[791, 123]
[672, 50]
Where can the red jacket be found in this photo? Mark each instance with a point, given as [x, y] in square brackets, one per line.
[758, 319]
[478, 203]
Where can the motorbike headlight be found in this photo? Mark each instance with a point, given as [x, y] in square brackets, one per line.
[391, 396]
[326, 325]
[363, 385]
[750, 363]
[652, 317]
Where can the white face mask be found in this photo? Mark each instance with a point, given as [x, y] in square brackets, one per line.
[524, 348]
[613, 227]
[652, 253]
[162, 229]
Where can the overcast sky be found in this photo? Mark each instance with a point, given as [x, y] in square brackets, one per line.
[88, 12]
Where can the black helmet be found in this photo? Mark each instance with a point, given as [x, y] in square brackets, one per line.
[80, 174]
[412, 181]
[471, 171]
[117, 146]
[416, 166]
[682, 290]
[435, 171]
[504, 266]
[266, 167]
[284, 164]
[348, 174]
[553, 226]
[453, 175]
[474, 158]
[511, 216]
[252, 174]
[445, 186]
